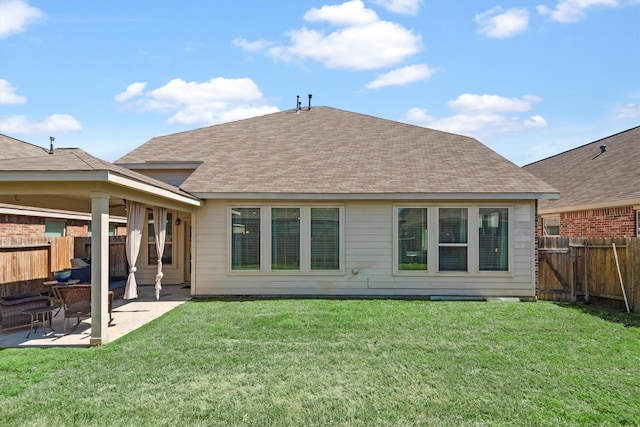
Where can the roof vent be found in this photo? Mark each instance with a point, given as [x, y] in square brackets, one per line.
[603, 148]
[310, 102]
[298, 103]
[51, 139]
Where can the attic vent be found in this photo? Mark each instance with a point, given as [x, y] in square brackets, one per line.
[51, 139]
[603, 148]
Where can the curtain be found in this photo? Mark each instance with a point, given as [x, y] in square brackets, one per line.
[160, 230]
[135, 221]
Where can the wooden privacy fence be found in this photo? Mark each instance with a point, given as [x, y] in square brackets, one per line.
[25, 262]
[118, 265]
[572, 269]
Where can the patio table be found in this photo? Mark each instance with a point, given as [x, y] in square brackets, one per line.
[39, 314]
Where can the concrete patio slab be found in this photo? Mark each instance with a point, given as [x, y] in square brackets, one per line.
[128, 315]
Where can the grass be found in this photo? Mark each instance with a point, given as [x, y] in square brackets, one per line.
[340, 363]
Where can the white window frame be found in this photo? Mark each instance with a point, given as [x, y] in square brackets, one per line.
[305, 239]
[57, 222]
[549, 217]
[473, 250]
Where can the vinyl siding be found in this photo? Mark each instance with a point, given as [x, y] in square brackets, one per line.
[368, 247]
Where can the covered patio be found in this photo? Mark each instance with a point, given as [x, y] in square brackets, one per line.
[71, 179]
[128, 315]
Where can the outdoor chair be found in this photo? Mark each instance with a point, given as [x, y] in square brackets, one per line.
[76, 302]
[12, 307]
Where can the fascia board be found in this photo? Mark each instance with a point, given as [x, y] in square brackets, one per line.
[147, 188]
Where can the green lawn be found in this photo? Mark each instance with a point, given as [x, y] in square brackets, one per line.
[340, 363]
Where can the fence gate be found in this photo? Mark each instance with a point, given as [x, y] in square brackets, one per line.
[573, 269]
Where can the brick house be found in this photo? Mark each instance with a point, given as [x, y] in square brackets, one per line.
[599, 187]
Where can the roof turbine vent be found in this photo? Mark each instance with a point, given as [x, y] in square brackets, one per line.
[603, 148]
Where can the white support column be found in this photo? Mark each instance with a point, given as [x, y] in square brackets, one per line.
[99, 268]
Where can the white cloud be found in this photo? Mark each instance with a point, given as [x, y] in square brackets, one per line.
[8, 94]
[402, 76]
[351, 13]
[132, 91]
[250, 46]
[362, 42]
[405, 7]
[481, 116]
[629, 111]
[567, 11]
[381, 44]
[472, 103]
[56, 123]
[16, 16]
[215, 101]
[499, 24]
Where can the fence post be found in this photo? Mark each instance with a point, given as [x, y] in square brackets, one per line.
[49, 262]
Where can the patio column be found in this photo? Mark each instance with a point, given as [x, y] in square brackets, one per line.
[99, 267]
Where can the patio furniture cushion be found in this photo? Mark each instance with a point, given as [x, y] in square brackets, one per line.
[11, 308]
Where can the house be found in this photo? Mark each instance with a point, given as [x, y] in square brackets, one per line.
[29, 221]
[69, 179]
[599, 187]
[321, 201]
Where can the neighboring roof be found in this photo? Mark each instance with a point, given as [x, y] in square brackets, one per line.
[326, 151]
[588, 178]
[23, 158]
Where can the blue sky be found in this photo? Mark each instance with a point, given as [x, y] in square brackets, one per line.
[528, 79]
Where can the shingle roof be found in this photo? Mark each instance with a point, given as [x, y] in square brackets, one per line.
[586, 176]
[331, 151]
[14, 148]
[21, 156]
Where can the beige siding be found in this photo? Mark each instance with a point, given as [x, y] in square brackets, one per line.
[368, 247]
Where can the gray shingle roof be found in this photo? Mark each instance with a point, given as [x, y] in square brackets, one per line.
[13, 148]
[21, 156]
[331, 151]
[585, 176]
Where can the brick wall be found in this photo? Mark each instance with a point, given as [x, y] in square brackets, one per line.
[33, 226]
[605, 222]
[77, 228]
[21, 226]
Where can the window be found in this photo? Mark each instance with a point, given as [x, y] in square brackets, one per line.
[412, 239]
[452, 239]
[325, 239]
[303, 239]
[245, 239]
[285, 239]
[493, 239]
[551, 226]
[167, 255]
[54, 228]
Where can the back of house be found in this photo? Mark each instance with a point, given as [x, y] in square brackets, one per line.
[322, 201]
